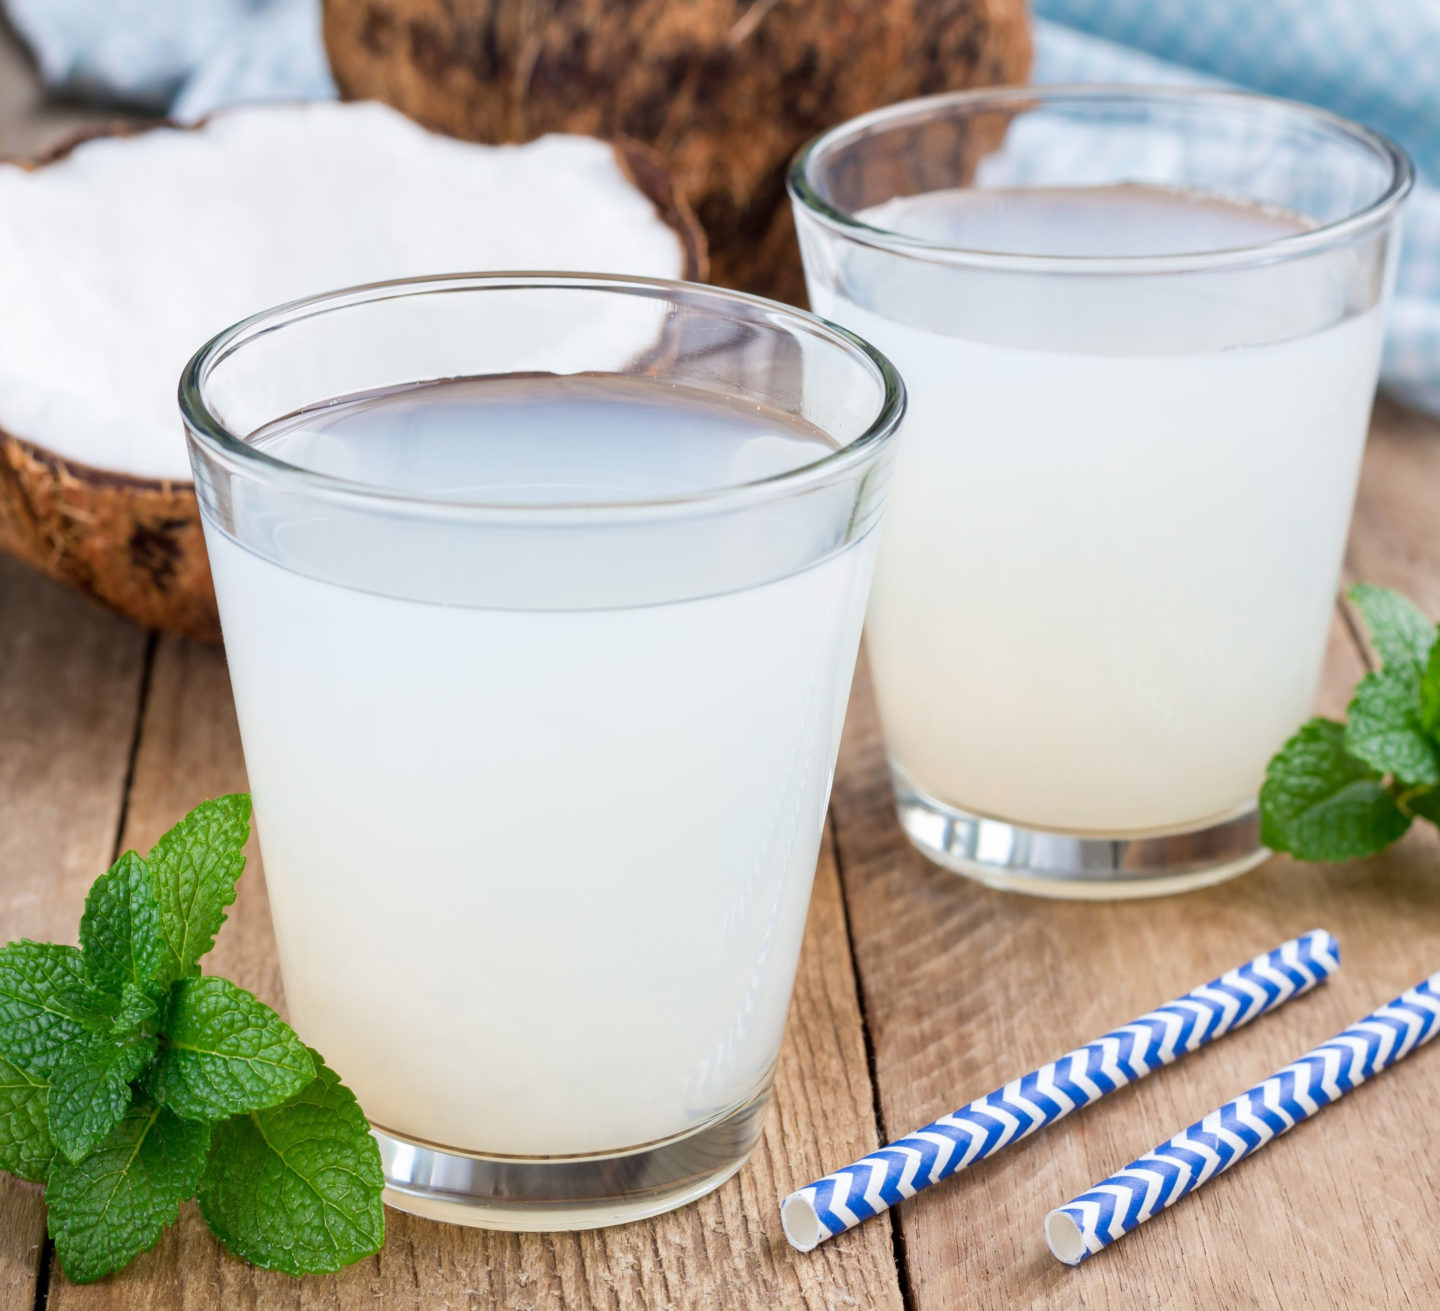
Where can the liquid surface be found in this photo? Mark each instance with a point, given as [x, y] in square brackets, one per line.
[546, 439]
[1118, 510]
[1128, 220]
[540, 806]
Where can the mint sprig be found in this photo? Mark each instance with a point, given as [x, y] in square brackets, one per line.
[289, 1188]
[25, 1146]
[112, 1205]
[90, 1089]
[127, 1077]
[120, 929]
[193, 870]
[1339, 791]
[226, 1053]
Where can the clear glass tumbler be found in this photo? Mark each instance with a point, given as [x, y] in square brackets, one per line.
[540, 706]
[1140, 331]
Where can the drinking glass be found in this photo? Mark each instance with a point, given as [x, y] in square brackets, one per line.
[1140, 331]
[539, 777]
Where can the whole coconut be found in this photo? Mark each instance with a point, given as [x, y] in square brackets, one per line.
[726, 90]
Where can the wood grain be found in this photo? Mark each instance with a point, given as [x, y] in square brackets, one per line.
[69, 686]
[965, 988]
[726, 1250]
[1395, 539]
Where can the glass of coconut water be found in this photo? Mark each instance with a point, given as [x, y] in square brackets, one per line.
[541, 596]
[1140, 332]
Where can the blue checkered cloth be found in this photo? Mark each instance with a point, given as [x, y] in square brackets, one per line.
[182, 57]
[1376, 61]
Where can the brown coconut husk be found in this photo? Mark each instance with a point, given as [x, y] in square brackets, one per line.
[726, 90]
[134, 544]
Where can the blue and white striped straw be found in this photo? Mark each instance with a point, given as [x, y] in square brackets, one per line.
[1211, 1146]
[842, 1200]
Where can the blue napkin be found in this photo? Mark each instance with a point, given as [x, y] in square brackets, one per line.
[184, 57]
[1376, 61]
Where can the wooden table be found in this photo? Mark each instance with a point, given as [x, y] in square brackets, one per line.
[917, 990]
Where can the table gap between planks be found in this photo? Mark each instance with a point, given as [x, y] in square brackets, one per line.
[916, 991]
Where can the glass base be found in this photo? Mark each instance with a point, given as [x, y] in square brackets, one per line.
[550, 1193]
[1090, 868]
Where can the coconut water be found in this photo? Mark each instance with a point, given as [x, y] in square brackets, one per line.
[1119, 505]
[539, 818]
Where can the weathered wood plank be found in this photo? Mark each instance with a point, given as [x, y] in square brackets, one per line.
[69, 687]
[726, 1250]
[965, 988]
[1395, 540]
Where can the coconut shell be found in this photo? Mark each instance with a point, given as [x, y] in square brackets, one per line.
[135, 544]
[726, 90]
[132, 543]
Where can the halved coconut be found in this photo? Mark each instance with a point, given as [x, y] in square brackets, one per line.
[121, 254]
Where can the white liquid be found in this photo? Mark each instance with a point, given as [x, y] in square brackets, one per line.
[538, 875]
[1118, 509]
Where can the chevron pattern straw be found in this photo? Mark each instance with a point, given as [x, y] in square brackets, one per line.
[1211, 1146]
[842, 1200]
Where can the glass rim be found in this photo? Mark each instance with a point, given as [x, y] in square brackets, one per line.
[206, 431]
[805, 196]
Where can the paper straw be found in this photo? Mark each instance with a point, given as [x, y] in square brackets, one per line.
[842, 1200]
[1211, 1146]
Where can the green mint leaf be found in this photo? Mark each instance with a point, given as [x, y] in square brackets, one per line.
[1386, 726]
[1383, 727]
[1402, 635]
[139, 1014]
[1430, 694]
[120, 929]
[297, 1188]
[90, 1089]
[110, 1207]
[25, 1144]
[1320, 803]
[46, 1005]
[193, 869]
[1425, 804]
[227, 1053]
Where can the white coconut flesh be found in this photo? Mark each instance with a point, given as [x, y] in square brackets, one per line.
[118, 261]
